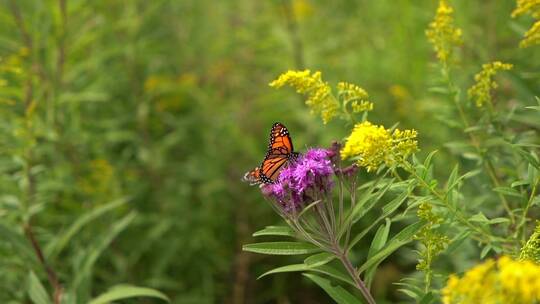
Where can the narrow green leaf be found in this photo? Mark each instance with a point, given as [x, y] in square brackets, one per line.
[428, 298]
[338, 293]
[323, 269]
[457, 241]
[319, 259]
[400, 239]
[21, 245]
[499, 220]
[93, 253]
[485, 251]
[427, 161]
[120, 292]
[380, 238]
[479, 217]
[59, 243]
[281, 248]
[394, 204]
[362, 208]
[36, 291]
[275, 230]
[287, 268]
[507, 191]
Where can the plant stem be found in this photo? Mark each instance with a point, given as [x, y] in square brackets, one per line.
[357, 281]
[526, 211]
[488, 165]
[51, 274]
[443, 199]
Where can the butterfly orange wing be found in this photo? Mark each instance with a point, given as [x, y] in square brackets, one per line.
[280, 152]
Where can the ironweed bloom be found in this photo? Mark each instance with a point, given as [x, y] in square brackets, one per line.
[305, 180]
[319, 93]
[373, 145]
[504, 281]
[442, 33]
[480, 91]
[532, 7]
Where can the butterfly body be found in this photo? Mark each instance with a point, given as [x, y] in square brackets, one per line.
[280, 152]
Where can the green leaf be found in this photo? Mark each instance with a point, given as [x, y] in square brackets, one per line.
[36, 291]
[499, 220]
[59, 243]
[479, 217]
[485, 251]
[120, 292]
[428, 298]
[380, 238]
[338, 293]
[21, 245]
[84, 273]
[288, 268]
[400, 239]
[275, 230]
[281, 248]
[319, 259]
[457, 241]
[507, 191]
[368, 202]
[323, 269]
[394, 204]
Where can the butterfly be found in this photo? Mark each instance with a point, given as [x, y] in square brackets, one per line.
[280, 153]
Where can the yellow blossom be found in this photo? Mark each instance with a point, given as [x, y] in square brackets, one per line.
[357, 96]
[531, 250]
[373, 145]
[302, 9]
[506, 281]
[319, 93]
[442, 33]
[480, 91]
[532, 7]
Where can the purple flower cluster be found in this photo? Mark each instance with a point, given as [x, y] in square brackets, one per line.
[305, 180]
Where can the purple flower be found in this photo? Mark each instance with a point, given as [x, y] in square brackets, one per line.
[303, 181]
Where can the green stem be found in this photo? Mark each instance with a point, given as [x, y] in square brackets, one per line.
[447, 204]
[488, 165]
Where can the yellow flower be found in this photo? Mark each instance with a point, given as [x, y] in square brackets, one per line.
[302, 9]
[319, 93]
[480, 91]
[532, 7]
[373, 145]
[356, 96]
[531, 250]
[504, 281]
[442, 32]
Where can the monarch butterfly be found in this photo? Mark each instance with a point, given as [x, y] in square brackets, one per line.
[280, 152]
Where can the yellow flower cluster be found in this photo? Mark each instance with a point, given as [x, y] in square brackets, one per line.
[532, 7]
[480, 91]
[531, 250]
[373, 145]
[503, 282]
[354, 94]
[442, 32]
[433, 241]
[319, 93]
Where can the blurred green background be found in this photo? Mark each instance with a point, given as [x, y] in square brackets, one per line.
[153, 110]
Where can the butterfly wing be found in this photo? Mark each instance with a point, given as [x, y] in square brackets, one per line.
[280, 152]
[253, 177]
[280, 141]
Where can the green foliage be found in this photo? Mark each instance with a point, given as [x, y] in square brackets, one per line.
[125, 127]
